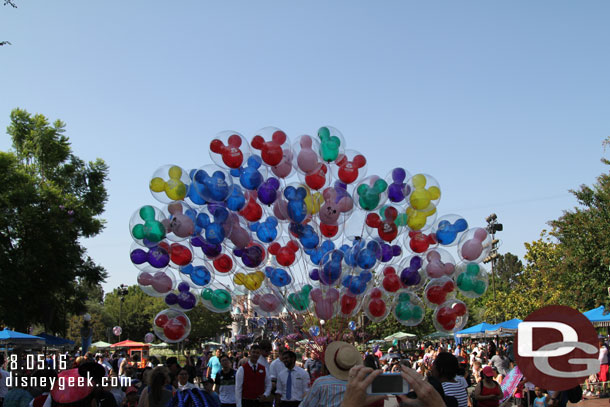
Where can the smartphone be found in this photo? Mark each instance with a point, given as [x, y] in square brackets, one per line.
[388, 383]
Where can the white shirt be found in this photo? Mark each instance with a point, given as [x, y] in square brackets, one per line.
[603, 355]
[275, 368]
[300, 383]
[262, 360]
[239, 383]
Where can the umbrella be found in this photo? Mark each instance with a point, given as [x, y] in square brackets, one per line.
[100, 344]
[51, 340]
[160, 345]
[474, 331]
[438, 335]
[17, 338]
[506, 327]
[375, 341]
[391, 356]
[598, 316]
[399, 336]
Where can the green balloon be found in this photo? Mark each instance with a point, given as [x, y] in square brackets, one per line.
[460, 280]
[472, 269]
[404, 297]
[403, 311]
[147, 212]
[480, 287]
[329, 145]
[221, 299]
[417, 312]
[369, 197]
[154, 231]
[206, 294]
[467, 284]
[138, 231]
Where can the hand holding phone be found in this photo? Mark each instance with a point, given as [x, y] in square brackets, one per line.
[388, 383]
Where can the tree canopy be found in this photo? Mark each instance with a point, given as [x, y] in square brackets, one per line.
[50, 199]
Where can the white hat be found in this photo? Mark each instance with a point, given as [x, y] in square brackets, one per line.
[340, 357]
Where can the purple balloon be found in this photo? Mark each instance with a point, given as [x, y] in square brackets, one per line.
[267, 192]
[314, 274]
[158, 257]
[210, 250]
[186, 300]
[171, 299]
[410, 275]
[252, 256]
[138, 256]
[396, 190]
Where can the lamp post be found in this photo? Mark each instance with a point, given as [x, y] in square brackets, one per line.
[492, 227]
[122, 292]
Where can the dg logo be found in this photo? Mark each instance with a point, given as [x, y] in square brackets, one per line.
[556, 348]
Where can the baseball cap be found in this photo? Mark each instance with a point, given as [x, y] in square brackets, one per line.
[130, 390]
[488, 371]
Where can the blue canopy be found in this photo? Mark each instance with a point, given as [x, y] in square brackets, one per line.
[51, 340]
[596, 315]
[17, 338]
[477, 330]
[509, 326]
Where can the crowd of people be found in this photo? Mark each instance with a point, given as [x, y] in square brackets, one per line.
[267, 374]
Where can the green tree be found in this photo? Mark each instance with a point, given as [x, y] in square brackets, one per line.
[50, 200]
[206, 325]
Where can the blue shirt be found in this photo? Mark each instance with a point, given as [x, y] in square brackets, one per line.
[214, 365]
[326, 391]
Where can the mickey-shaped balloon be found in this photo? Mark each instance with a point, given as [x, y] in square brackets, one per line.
[325, 302]
[357, 284]
[180, 254]
[266, 231]
[236, 199]
[410, 275]
[214, 231]
[199, 275]
[349, 170]
[239, 236]
[156, 256]
[232, 154]
[252, 281]
[329, 143]
[250, 177]
[267, 191]
[439, 263]
[471, 279]
[317, 178]
[349, 304]
[332, 267]
[152, 230]
[156, 284]
[398, 190]
[271, 151]
[370, 193]
[171, 326]
[299, 301]
[316, 254]
[425, 191]
[212, 186]
[334, 205]
[184, 299]
[307, 158]
[449, 229]
[268, 303]
[192, 194]
[306, 234]
[284, 255]
[278, 277]
[390, 280]
[210, 250]
[251, 256]
[451, 316]
[419, 242]
[223, 263]
[474, 245]
[389, 252]
[438, 291]
[297, 210]
[420, 219]
[386, 228]
[172, 189]
[252, 212]
[409, 309]
[376, 305]
[182, 225]
[216, 300]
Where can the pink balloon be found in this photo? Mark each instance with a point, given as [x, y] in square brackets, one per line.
[325, 302]
[436, 268]
[238, 236]
[145, 278]
[284, 168]
[280, 209]
[472, 248]
[267, 302]
[307, 159]
[161, 283]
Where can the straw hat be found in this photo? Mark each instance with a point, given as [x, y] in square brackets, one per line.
[340, 357]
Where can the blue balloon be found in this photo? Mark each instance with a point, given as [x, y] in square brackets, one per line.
[357, 284]
[315, 255]
[306, 234]
[314, 330]
[278, 277]
[200, 275]
[352, 325]
[332, 265]
[214, 187]
[447, 232]
[266, 231]
[297, 209]
[236, 200]
[214, 231]
[192, 192]
[250, 177]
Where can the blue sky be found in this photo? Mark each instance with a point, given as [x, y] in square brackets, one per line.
[505, 103]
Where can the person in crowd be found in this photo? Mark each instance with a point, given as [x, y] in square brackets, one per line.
[329, 390]
[275, 368]
[131, 397]
[500, 362]
[214, 365]
[100, 396]
[183, 380]
[252, 382]
[444, 369]
[3, 376]
[159, 392]
[225, 383]
[488, 392]
[602, 376]
[208, 387]
[292, 382]
[173, 368]
[313, 365]
[541, 399]
[476, 371]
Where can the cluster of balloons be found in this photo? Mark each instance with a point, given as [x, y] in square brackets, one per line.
[297, 226]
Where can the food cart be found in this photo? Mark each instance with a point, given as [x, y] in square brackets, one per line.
[137, 351]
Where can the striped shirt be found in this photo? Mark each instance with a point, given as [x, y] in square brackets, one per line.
[456, 390]
[326, 391]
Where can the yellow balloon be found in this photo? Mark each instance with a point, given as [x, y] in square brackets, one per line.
[417, 219]
[421, 197]
[313, 202]
[175, 172]
[157, 184]
[175, 189]
[252, 281]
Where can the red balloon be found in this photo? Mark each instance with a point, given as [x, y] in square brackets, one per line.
[445, 315]
[449, 286]
[329, 230]
[252, 212]
[286, 255]
[316, 179]
[376, 293]
[377, 307]
[182, 319]
[231, 154]
[180, 255]
[348, 304]
[173, 330]
[436, 295]
[271, 151]
[391, 282]
[223, 263]
[161, 320]
[459, 308]
[348, 170]
[420, 242]
[449, 325]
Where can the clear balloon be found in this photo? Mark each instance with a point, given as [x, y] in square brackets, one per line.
[350, 167]
[171, 326]
[409, 309]
[184, 298]
[117, 331]
[377, 305]
[213, 184]
[271, 142]
[438, 263]
[451, 316]
[229, 149]
[449, 229]
[438, 291]
[474, 245]
[147, 226]
[156, 283]
[424, 191]
[472, 279]
[180, 221]
[149, 337]
[398, 190]
[371, 193]
[332, 143]
[216, 298]
[169, 183]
